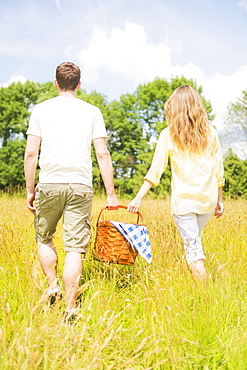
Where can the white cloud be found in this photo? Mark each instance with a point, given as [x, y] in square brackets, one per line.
[127, 54]
[242, 4]
[12, 79]
[223, 90]
[124, 53]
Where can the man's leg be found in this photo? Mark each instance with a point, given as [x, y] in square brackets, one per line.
[76, 226]
[48, 260]
[49, 208]
[71, 277]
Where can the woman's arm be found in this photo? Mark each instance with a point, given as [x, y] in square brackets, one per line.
[136, 202]
[219, 209]
[156, 169]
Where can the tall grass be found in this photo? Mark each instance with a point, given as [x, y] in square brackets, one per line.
[131, 317]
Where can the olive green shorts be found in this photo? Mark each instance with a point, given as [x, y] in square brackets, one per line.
[72, 203]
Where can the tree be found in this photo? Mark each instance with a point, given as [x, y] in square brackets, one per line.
[11, 164]
[47, 91]
[151, 98]
[16, 102]
[133, 124]
[127, 142]
[235, 172]
[237, 116]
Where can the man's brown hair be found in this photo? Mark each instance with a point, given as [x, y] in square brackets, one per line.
[68, 76]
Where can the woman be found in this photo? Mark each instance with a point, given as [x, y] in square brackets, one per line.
[197, 171]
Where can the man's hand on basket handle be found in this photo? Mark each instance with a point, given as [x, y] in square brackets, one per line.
[112, 202]
[134, 205]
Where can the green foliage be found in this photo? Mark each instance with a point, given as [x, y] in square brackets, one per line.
[127, 142]
[47, 91]
[151, 98]
[235, 175]
[16, 101]
[11, 164]
[133, 124]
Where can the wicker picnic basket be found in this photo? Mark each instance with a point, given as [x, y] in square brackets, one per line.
[110, 245]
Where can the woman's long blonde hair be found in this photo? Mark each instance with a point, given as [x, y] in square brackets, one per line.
[187, 119]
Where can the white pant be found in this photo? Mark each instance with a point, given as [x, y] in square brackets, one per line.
[190, 227]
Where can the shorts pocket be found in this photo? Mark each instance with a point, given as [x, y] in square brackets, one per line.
[82, 191]
[46, 197]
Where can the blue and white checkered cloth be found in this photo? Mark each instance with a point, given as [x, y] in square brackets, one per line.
[137, 236]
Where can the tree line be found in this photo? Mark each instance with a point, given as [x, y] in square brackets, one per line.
[133, 124]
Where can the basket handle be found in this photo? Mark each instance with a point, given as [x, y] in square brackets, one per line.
[139, 214]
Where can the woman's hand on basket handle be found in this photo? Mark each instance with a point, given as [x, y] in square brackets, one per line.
[134, 205]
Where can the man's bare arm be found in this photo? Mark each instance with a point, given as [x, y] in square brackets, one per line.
[30, 165]
[106, 170]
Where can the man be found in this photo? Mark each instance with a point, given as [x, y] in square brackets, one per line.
[65, 127]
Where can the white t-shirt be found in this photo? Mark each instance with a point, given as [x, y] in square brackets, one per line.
[67, 127]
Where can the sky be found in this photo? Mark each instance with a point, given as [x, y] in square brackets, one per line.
[120, 44]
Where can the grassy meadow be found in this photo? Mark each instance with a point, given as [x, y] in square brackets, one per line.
[139, 317]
